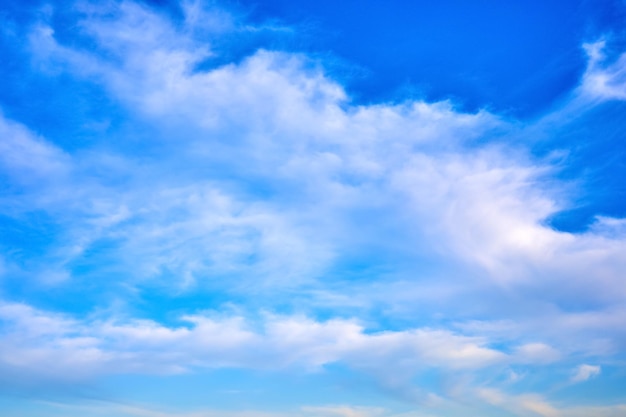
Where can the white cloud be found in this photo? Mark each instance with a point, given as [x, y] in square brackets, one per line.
[478, 206]
[285, 195]
[27, 159]
[521, 405]
[536, 353]
[585, 372]
[602, 80]
[323, 160]
[532, 405]
[51, 345]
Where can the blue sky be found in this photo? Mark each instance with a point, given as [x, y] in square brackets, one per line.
[311, 209]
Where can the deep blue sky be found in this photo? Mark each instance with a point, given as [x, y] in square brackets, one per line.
[512, 57]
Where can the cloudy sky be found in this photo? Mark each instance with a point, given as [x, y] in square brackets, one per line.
[312, 208]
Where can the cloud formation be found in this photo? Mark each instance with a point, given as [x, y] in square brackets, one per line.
[305, 230]
[60, 347]
[585, 372]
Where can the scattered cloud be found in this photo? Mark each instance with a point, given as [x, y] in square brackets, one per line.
[585, 372]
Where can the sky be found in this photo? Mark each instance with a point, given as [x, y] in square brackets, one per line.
[312, 208]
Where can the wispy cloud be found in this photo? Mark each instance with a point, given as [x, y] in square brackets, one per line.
[604, 80]
[585, 372]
